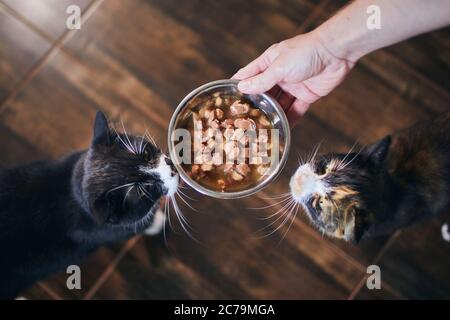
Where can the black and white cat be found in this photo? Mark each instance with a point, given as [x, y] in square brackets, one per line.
[54, 213]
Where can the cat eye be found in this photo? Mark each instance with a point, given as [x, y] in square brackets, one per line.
[318, 203]
[321, 203]
[146, 155]
[322, 168]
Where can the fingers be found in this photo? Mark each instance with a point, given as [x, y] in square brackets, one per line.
[258, 65]
[253, 68]
[296, 111]
[260, 83]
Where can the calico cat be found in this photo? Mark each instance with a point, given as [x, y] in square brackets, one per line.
[54, 213]
[400, 180]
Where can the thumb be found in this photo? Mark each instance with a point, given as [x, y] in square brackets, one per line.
[260, 83]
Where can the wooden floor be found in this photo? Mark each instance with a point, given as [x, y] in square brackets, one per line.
[136, 60]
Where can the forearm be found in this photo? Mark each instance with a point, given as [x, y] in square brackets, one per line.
[347, 36]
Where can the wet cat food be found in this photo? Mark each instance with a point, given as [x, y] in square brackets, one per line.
[231, 142]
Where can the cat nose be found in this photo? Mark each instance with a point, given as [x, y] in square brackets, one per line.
[168, 161]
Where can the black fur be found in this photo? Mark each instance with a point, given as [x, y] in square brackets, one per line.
[399, 180]
[54, 213]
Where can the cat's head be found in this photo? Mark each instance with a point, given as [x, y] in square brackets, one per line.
[339, 191]
[124, 175]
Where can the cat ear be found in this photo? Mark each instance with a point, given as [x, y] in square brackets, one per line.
[102, 134]
[377, 152]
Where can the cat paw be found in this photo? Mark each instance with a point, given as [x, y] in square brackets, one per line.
[445, 232]
[157, 225]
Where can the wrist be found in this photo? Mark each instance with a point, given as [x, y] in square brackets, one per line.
[341, 45]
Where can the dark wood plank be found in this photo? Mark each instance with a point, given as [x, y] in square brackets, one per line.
[193, 42]
[365, 110]
[149, 271]
[427, 54]
[16, 149]
[233, 264]
[411, 85]
[50, 115]
[418, 264]
[20, 49]
[91, 270]
[47, 15]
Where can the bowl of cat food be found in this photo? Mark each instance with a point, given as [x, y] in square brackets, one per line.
[227, 144]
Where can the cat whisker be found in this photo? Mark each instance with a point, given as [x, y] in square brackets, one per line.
[167, 202]
[145, 192]
[354, 157]
[141, 145]
[287, 216]
[120, 187]
[271, 205]
[277, 212]
[126, 195]
[128, 138]
[150, 137]
[300, 159]
[284, 215]
[124, 143]
[283, 195]
[314, 153]
[340, 165]
[293, 217]
[182, 219]
[165, 216]
[193, 199]
[185, 201]
[164, 225]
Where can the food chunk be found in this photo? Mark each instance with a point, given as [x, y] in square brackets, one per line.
[237, 158]
[219, 114]
[236, 176]
[221, 184]
[245, 124]
[218, 102]
[243, 169]
[239, 108]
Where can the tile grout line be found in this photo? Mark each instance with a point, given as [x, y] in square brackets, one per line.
[111, 267]
[47, 55]
[377, 258]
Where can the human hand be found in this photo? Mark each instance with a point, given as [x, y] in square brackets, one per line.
[297, 72]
